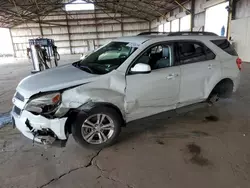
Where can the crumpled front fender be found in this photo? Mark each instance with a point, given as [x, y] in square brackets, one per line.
[108, 90]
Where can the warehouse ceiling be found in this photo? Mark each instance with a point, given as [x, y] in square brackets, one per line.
[16, 12]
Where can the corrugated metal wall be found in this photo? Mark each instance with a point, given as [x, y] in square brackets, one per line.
[174, 14]
[199, 17]
[77, 32]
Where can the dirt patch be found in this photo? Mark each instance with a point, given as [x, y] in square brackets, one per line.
[200, 160]
[200, 133]
[212, 118]
[160, 142]
[197, 157]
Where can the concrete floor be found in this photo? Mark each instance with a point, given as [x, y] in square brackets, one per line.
[194, 147]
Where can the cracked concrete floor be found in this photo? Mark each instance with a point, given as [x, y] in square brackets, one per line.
[197, 146]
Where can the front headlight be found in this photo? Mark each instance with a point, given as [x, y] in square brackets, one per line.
[45, 104]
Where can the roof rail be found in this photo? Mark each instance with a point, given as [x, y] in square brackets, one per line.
[185, 33]
[152, 33]
[192, 33]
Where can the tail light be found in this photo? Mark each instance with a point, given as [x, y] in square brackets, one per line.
[239, 63]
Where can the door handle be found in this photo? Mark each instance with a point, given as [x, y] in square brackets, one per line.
[210, 66]
[171, 76]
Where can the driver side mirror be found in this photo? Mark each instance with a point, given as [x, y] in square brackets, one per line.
[140, 68]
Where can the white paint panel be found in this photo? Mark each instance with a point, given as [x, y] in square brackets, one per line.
[130, 33]
[20, 53]
[109, 35]
[47, 31]
[63, 51]
[112, 15]
[25, 32]
[79, 43]
[161, 28]
[62, 44]
[167, 26]
[82, 29]
[135, 26]
[131, 20]
[198, 6]
[55, 17]
[111, 21]
[83, 16]
[54, 23]
[175, 25]
[104, 41]
[187, 5]
[82, 36]
[240, 33]
[58, 37]
[27, 25]
[199, 21]
[21, 39]
[77, 50]
[185, 23]
[59, 30]
[81, 22]
[111, 27]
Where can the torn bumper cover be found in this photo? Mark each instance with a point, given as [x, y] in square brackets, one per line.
[39, 128]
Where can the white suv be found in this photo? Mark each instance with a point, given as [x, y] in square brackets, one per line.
[127, 79]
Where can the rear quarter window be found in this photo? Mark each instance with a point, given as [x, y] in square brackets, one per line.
[225, 45]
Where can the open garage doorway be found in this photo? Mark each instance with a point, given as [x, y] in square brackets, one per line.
[6, 48]
[217, 19]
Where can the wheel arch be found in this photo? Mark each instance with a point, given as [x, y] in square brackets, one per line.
[85, 108]
[113, 106]
[224, 88]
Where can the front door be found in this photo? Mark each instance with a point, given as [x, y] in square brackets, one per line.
[157, 91]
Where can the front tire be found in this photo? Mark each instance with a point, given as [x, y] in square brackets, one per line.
[98, 128]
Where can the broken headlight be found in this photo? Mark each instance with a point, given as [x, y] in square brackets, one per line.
[45, 104]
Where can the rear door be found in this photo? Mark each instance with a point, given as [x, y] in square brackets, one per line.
[199, 70]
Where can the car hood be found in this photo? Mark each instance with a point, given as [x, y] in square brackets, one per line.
[54, 79]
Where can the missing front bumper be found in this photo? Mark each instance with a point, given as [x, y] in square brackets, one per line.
[40, 129]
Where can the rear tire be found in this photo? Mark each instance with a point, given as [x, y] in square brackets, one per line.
[224, 89]
[97, 129]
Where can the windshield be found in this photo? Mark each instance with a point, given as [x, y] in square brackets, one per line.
[107, 58]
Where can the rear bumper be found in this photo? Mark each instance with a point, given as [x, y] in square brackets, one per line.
[39, 128]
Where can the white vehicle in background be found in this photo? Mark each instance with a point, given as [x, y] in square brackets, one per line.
[127, 79]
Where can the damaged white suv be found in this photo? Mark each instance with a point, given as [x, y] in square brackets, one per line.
[127, 79]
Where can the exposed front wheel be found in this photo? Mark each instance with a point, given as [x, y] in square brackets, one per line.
[97, 129]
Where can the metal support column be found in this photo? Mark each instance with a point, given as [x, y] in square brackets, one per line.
[40, 26]
[122, 27]
[192, 14]
[67, 22]
[149, 26]
[96, 31]
[230, 14]
[14, 51]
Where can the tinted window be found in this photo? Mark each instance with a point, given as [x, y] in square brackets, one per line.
[210, 55]
[226, 46]
[191, 52]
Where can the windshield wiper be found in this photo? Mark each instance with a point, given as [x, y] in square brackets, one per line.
[83, 67]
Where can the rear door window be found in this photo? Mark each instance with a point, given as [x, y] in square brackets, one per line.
[191, 52]
[225, 45]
